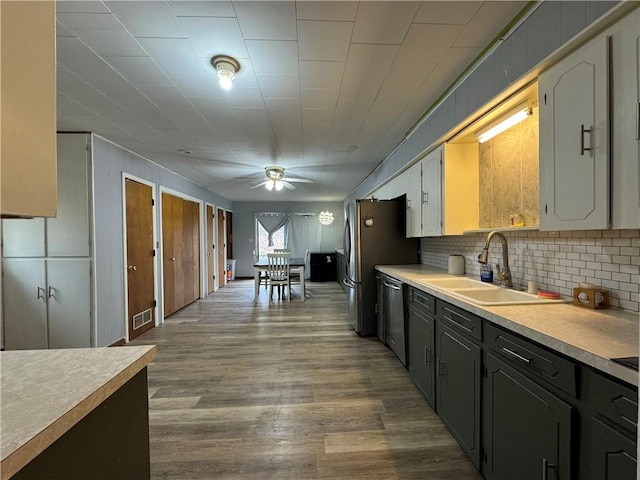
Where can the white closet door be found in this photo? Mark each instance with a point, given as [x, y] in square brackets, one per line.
[25, 304]
[69, 299]
[68, 232]
[23, 237]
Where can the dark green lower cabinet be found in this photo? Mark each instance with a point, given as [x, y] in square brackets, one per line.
[526, 429]
[613, 455]
[422, 353]
[458, 380]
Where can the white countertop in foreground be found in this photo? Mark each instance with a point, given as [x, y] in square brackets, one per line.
[43, 393]
[589, 336]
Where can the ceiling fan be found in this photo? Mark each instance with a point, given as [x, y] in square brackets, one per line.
[275, 179]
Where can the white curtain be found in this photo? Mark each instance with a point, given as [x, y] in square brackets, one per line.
[305, 233]
[272, 222]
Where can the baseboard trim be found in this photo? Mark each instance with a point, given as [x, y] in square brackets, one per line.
[119, 343]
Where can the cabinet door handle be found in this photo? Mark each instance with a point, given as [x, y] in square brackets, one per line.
[440, 367]
[545, 468]
[638, 121]
[394, 287]
[516, 355]
[582, 132]
[40, 293]
[427, 356]
[51, 292]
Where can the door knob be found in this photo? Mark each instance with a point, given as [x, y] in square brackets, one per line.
[132, 268]
[173, 259]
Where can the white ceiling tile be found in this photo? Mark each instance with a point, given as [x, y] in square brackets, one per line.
[383, 22]
[283, 107]
[201, 83]
[327, 10]
[78, 6]
[215, 36]
[317, 116]
[273, 56]
[112, 42]
[245, 98]
[245, 77]
[438, 37]
[403, 81]
[267, 20]
[490, 18]
[173, 54]
[321, 74]
[328, 41]
[319, 98]
[89, 22]
[62, 31]
[147, 19]
[211, 107]
[200, 8]
[366, 69]
[279, 86]
[139, 70]
[446, 12]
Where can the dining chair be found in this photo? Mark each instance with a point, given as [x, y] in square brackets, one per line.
[281, 250]
[278, 271]
[295, 273]
[263, 274]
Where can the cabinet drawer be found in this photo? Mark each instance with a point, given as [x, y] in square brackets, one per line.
[460, 319]
[533, 359]
[423, 300]
[613, 400]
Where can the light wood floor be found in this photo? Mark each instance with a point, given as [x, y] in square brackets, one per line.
[286, 391]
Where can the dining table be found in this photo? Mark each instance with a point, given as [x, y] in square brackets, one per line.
[263, 264]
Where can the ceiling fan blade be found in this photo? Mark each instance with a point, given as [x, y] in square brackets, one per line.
[287, 185]
[260, 184]
[299, 180]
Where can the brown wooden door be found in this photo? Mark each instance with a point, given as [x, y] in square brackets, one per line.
[178, 253]
[140, 257]
[222, 265]
[211, 274]
[168, 260]
[191, 252]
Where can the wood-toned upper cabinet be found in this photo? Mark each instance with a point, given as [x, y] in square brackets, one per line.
[28, 111]
[625, 117]
[574, 140]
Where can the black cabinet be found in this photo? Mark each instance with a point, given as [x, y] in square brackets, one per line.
[341, 269]
[458, 377]
[610, 446]
[421, 346]
[380, 307]
[323, 267]
[527, 430]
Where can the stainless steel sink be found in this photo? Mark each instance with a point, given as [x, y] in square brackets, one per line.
[481, 293]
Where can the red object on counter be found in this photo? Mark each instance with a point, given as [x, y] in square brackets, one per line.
[547, 294]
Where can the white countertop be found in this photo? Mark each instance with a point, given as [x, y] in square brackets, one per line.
[44, 393]
[589, 336]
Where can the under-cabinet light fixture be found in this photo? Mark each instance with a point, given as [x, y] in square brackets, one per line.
[505, 122]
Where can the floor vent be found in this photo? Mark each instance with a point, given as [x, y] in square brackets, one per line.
[142, 318]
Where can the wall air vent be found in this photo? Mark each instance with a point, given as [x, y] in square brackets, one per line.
[142, 318]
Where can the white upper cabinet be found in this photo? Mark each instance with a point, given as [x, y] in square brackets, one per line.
[625, 116]
[414, 200]
[28, 110]
[431, 194]
[574, 140]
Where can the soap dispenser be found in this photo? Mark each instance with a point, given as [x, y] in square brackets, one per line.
[486, 273]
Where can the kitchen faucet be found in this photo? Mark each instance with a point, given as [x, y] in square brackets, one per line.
[503, 275]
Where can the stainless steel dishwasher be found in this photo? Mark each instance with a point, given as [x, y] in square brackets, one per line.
[393, 304]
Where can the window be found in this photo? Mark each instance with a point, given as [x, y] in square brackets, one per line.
[263, 240]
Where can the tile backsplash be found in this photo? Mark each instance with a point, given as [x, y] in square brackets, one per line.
[557, 261]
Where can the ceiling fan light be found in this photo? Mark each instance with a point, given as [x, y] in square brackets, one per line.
[325, 218]
[278, 185]
[269, 185]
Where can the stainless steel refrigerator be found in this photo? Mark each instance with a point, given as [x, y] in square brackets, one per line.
[374, 235]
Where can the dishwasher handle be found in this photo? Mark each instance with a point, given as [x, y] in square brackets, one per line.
[391, 285]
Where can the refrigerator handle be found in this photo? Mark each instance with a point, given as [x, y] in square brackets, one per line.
[348, 283]
[347, 245]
